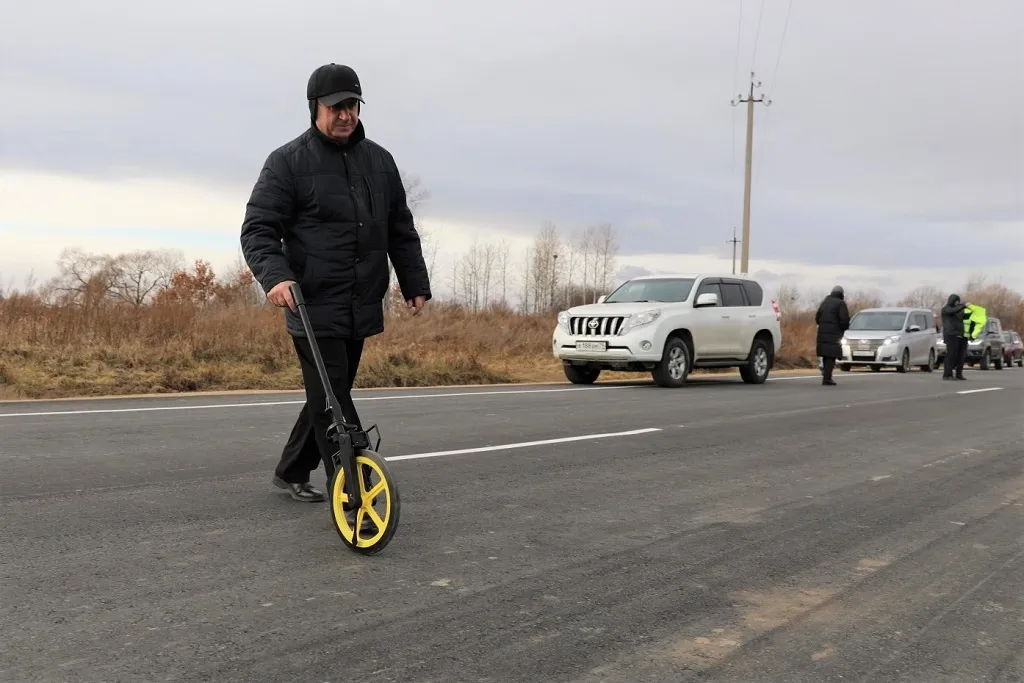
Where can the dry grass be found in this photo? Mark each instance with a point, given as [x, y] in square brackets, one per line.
[49, 351]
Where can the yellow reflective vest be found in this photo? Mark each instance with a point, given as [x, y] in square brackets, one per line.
[974, 323]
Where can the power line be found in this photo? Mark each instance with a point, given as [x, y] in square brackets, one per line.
[757, 36]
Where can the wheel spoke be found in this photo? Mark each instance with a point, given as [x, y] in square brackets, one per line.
[375, 517]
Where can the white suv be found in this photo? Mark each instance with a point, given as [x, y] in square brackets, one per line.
[670, 324]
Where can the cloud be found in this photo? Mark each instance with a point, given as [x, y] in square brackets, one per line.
[892, 143]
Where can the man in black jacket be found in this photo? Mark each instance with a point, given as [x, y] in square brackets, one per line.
[833, 319]
[327, 211]
[953, 335]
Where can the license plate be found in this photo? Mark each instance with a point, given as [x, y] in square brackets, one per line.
[591, 346]
[863, 354]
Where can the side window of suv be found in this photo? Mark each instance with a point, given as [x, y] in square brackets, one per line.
[755, 295]
[921, 321]
[732, 294]
[710, 289]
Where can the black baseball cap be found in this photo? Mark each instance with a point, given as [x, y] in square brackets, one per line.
[333, 83]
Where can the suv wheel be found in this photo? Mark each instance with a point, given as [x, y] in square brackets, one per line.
[931, 362]
[904, 362]
[999, 361]
[758, 364]
[674, 366]
[984, 360]
[581, 374]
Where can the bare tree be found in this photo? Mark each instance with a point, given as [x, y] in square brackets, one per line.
[544, 267]
[83, 279]
[606, 248]
[136, 276]
[925, 296]
[504, 253]
[788, 299]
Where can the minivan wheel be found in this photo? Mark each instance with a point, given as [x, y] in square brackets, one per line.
[984, 361]
[674, 366]
[931, 362]
[904, 362]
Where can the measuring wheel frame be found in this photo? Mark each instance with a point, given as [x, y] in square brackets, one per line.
[354, 451]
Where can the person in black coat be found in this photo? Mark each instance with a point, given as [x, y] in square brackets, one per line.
[328, 211]
[833, 319]
[953, 334]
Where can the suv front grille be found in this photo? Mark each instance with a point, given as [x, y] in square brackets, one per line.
[595, 326]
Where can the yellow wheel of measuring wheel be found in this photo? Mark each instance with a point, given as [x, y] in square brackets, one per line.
[372, 524]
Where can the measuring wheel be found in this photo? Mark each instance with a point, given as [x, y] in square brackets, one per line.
[369, 527]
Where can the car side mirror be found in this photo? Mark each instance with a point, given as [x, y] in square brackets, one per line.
[601, 298]
[706, 299]
[914, 328]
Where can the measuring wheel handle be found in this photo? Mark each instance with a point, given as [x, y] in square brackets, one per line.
[367, 531]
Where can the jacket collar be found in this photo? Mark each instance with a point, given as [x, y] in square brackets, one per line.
[358, 135]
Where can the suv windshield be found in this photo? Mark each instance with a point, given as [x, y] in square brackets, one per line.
[664, 290]
[882, 321]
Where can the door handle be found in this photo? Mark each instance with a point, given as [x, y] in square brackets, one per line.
[725, 317]
[752, 315]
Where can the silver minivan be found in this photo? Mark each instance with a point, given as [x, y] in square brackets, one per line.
[893, 337]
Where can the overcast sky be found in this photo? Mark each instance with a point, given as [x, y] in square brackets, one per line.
[891, 154]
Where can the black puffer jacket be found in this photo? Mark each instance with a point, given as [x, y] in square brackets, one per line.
[329, 216]
[953, 317]
[833, 319]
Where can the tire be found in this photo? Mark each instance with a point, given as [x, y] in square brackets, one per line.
[581, 374]
[931, 362]
[1020, 362]
[758, 363]
[674, 366]
[904, 362]
[984, 360]
[392, 501]
[845, 367]
[999, 362]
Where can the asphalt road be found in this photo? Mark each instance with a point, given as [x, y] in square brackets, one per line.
[872, 531]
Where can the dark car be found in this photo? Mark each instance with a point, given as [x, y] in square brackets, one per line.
[1013, 349]
[988, 347]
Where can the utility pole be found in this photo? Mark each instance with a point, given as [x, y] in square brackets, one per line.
[750, 153]
[734, 242]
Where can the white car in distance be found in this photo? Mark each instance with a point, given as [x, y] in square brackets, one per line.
[669, 325]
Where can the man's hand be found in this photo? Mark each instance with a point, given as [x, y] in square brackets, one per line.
[416, 304]
[281, 295]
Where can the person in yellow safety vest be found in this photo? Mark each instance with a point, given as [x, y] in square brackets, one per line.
[974, 321]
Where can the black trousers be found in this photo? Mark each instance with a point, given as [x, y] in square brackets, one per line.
[956, 352]
[829, 366]
[308, 444]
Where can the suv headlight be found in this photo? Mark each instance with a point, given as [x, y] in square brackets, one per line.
[894, 339]
[639, 320]
[563, 320]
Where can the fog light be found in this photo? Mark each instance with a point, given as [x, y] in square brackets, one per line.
[645, 345]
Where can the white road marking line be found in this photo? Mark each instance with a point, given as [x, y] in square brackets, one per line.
[357, 399]
[523, 444]
[257, 404]
[978, 391]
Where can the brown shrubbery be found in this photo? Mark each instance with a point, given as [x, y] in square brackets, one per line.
[108, 333]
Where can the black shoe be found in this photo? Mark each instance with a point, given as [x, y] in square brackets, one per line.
[949, 378]
[961, 378]
[827, 383]
[303, 492]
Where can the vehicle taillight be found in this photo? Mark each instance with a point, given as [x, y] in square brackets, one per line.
[778, 313]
